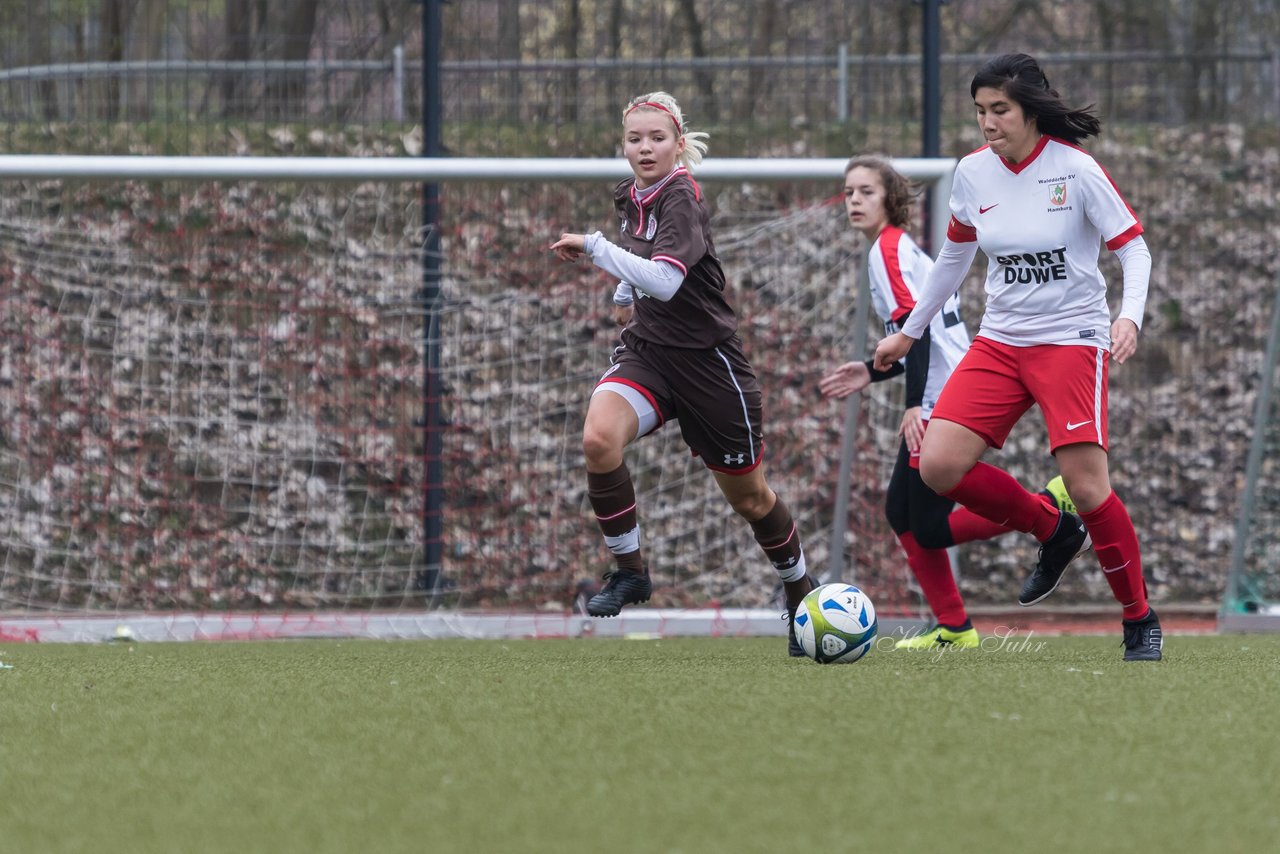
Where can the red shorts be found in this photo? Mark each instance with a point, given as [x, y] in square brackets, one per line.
[994, 384]
[913, 457]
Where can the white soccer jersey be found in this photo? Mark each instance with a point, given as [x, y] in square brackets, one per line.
[899, 269]
[1040, 225]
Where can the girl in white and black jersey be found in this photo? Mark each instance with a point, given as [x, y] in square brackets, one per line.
[878, 201]
[1039, 207]
[680, 358]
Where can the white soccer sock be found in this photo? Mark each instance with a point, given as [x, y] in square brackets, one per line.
[628, 542]
[795, 572]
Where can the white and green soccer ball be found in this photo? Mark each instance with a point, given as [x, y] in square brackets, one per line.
[836, 624]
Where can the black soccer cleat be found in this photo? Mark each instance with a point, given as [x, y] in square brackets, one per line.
[1143, 639]
[1069, 541]
[622, 587]
[794, 649]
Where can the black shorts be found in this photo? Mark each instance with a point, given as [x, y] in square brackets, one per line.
[713, 393]
[911, 506]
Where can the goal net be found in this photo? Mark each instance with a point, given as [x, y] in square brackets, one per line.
[212, 398]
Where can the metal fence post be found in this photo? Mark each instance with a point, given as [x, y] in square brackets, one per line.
[842, 83]
[398, 82]
[853, 409]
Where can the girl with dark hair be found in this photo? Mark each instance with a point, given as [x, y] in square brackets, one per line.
[1038, 206]
[1019, 76]
[877, 201]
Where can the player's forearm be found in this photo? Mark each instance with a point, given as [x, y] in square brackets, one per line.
[880, 376]
[658, 279]
[1135, 261]
[944, 280]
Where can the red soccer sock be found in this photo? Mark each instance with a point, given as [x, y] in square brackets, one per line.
[932, 569]
[968, 527]
[997, 497]
[1115, 543]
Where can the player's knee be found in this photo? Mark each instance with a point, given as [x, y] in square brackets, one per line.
[599, 447]
[939, 475]
[932, 537]
[897, 519]
[1089, 495]
[752, 506]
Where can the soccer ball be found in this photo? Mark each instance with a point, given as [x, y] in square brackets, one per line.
[836, 624]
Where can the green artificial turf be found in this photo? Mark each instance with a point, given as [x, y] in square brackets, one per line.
[1046, 744]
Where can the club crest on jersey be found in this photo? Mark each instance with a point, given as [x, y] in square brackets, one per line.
[1058, 194]
[652, 228]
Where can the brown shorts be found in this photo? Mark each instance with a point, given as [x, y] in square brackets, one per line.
[713, 393]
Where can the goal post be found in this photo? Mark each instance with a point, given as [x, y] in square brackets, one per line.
[933, 171]
[1251, 601]
[210, 387]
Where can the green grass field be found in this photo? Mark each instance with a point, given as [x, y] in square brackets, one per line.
[1052, 744]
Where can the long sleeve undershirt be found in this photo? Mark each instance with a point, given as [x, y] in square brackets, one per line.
[1135, 261]
[658, 279]
[945, 279]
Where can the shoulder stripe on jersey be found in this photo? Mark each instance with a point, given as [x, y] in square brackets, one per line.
[697, 191]
[670, 260]
[888, 241]
[959, 232]
[1127, 206]
[1115, 187]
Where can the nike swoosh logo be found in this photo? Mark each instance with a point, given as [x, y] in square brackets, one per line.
[1117, 568]
[1071, 426]
[987, 208]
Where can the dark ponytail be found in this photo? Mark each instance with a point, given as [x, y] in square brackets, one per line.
[1019, 76]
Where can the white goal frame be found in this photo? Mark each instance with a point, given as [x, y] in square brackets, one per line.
[933, 173]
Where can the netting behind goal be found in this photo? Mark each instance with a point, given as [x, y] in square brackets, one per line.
[211, 397]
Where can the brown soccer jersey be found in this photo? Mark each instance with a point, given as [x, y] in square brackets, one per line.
[673, 225]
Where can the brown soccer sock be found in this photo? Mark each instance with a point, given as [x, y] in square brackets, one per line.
[777, 535]
[613, 498]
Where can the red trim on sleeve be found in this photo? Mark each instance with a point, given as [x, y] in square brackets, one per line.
[958, 232]
[1125, 236]
[670, 260]
[890, 237]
